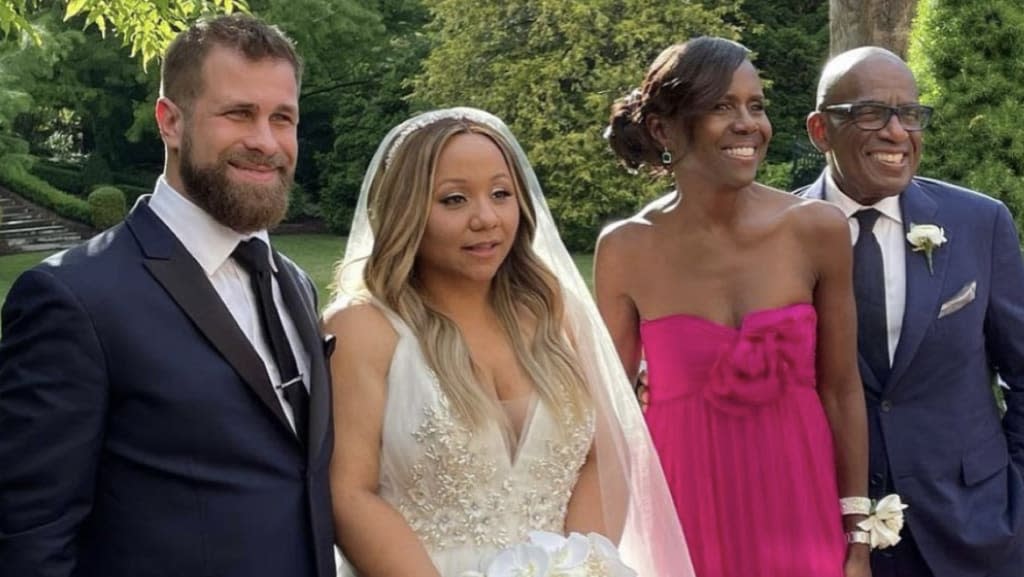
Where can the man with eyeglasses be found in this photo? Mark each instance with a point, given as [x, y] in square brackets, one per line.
[939, 284]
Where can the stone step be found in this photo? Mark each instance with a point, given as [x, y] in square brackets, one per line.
[42, 246]
[16, 211]
[26, 227]
[23, 221]
[31, 231]
[65, 237]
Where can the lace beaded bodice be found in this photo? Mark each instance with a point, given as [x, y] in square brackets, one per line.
[466, 493]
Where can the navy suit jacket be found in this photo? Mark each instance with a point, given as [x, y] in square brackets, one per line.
[935, 430]
[139, 433]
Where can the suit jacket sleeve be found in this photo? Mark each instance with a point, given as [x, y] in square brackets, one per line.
[1004, 327]
[53, 391]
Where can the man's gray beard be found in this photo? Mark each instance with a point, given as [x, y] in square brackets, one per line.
[244, 208]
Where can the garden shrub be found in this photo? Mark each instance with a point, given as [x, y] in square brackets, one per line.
[968, 59]
[106, 206]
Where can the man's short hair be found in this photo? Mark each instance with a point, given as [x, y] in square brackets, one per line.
[181, 72]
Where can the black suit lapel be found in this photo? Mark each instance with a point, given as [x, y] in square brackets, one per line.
[185, 281]
[924, 287]
[303, 312]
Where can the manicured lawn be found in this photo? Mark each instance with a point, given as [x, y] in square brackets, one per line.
[585, 262]
[316, 253]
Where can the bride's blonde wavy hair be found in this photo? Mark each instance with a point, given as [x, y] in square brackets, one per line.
[398, 204]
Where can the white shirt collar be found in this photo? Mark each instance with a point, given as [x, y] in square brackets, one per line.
[888, 206]
[208, 241]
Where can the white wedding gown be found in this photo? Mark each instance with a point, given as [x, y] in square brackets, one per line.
[468, 495]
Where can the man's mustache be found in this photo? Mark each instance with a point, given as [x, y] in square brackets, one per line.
[254, 159]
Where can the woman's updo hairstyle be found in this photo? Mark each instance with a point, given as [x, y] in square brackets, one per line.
[684, 82]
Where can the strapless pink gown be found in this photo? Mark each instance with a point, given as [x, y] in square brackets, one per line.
[745, 444]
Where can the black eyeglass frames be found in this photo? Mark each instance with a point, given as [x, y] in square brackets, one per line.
[872, 116]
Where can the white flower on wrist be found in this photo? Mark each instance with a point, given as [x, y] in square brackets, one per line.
[926, 238]
[885, 522]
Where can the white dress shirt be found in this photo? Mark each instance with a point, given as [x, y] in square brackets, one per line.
[889, 233]
[211, 244]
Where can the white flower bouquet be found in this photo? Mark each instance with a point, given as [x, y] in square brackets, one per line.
[552, 555]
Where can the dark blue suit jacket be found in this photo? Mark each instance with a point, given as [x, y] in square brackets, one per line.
[139, 434]
[935, 431]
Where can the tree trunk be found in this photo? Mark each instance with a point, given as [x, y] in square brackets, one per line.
[884, 23]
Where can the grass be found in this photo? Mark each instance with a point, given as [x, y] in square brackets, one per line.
[315, 253]
[585, 263]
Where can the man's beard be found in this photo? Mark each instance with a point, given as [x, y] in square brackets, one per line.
[243, 207]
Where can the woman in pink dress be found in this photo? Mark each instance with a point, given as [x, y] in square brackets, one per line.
[739, 297]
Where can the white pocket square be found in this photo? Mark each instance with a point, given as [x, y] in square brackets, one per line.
[960, 300]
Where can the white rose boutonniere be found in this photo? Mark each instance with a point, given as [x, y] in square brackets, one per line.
[926, 238]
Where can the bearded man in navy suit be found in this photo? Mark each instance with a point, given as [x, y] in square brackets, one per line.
[151, 424]
[940, 303]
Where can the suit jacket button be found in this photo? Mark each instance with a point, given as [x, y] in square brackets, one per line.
[877, 479]
[886, 406]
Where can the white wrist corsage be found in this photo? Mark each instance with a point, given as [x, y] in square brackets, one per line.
[885, 518]
[926, 238]
[552, 555]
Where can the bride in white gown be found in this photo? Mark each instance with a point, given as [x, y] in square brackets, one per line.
[477, 396]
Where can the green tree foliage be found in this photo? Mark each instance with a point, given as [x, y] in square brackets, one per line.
[22, 62]
[106, 206]
[333, 37]
[366, 105]
[145, 26]
[551, 69]
[969, 61]
[13, 19]
[789, 39]
[83, 92]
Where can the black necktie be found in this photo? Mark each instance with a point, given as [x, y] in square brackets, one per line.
[869, 290]
[254, 258]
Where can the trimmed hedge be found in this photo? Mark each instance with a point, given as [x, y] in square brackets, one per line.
[69, 178]
[61, 164]
[66, 179]
[42, 193]
[106, 206]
